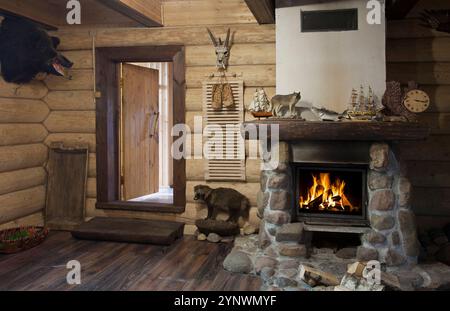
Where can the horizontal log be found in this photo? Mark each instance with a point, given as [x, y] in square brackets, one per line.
[425, 223]
[422, 73]
[206, 12]
[22, 134]
[431, 201]
[81, 59]
[32, 90]
[438, 122]
[23, 156]
[418, 50]
[71, 122]
[92, 165]
[22, 179]
[82, 79]
[21, 203]
[82, 39]
[91, 188]
[70, 100]
[253, 75]
[22, 110]
[249, 189]
[198, 141]
[439, 97]
[36, 219]
[240, 54]
[411, 28]
[429, 174]
[73, 140]
[195, 170]
[435, 148]
[194, 97]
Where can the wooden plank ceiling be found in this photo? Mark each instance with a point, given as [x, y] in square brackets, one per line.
[264, 10]
[94, 13]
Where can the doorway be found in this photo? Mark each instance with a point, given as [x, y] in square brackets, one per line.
[140, 95]
[145, 132]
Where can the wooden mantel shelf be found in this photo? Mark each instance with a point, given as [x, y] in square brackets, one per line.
[291, 130]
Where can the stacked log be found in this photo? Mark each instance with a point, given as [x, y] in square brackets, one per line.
[22, 153]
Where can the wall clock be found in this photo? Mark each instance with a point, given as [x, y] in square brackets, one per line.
[416, 101]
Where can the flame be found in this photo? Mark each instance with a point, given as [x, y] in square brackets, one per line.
[326, 194]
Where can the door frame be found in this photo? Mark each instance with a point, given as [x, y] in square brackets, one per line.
[107, 62]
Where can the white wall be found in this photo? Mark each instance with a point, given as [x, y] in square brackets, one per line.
[325, 66]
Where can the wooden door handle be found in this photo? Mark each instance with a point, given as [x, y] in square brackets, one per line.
[154, 124]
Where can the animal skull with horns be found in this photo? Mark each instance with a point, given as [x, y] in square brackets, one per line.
[222, 49]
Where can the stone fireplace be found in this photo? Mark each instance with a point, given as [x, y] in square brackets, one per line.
[343, 187]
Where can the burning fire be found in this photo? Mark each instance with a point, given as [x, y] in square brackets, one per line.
[325, 195]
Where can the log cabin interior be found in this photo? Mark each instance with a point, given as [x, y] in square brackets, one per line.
[273, 145]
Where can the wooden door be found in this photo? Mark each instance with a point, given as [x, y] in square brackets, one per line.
[140, 138]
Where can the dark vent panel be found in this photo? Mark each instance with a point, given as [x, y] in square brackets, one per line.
[330, 20]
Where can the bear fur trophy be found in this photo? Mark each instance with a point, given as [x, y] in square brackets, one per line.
[26, 50]
[221, 200]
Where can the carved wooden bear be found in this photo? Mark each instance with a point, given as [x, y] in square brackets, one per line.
[225, 200]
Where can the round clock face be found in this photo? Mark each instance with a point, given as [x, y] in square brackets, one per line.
[417, 101]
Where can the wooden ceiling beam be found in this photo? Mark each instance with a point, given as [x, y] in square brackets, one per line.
[146, 12]
[289, 3]
[263, 10]
[398, 9]
[39, 12]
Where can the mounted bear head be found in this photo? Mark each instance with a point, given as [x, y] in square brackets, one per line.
[26, 50]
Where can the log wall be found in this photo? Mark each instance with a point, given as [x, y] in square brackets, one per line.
[22, 153]
[416, 53]
[72, 107]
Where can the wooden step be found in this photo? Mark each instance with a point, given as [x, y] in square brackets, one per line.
[130, 231]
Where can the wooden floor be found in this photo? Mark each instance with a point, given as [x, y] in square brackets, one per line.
[186, 265]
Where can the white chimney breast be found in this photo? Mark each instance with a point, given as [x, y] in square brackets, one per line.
[325, 66]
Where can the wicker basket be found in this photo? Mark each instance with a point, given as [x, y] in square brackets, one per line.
[20, 239]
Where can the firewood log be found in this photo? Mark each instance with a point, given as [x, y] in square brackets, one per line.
[309, 274]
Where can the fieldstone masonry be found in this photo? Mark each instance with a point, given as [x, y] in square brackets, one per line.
[393, 236]
[278, 251]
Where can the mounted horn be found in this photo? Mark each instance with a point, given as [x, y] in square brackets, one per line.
[227, 41]
[213, 39]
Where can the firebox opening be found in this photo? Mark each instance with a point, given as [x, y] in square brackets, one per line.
[332, 191]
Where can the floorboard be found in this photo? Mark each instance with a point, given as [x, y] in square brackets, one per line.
[187, 265]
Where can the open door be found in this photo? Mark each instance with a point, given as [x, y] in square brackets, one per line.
[139, 131]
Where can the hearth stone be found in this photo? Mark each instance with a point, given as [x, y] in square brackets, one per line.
[382, 200]
[409, 233]
[382, 222]
[290, 233]
[374, 238]
[379, 181]
[277, 217]
[366, 254]
[292, 250]
[238, 262]
[265, 262]
[379, 155]
[280, 201]
[394, 258]
[395, 238]
[404, 192]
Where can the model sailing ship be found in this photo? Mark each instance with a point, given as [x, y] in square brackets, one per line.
[260, 107]
[362, 108]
